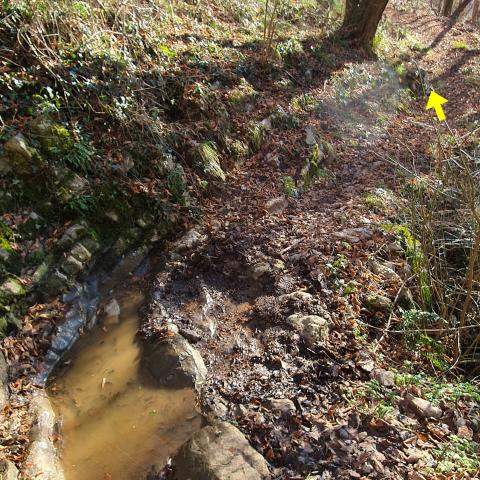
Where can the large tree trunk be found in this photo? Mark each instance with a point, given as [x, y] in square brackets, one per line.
[361, 21]
[476, 8]
[447, 8]
[459, 10]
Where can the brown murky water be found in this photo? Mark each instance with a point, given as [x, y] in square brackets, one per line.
[115, 423]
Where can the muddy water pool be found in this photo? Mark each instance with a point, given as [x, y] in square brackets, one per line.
[115, 423]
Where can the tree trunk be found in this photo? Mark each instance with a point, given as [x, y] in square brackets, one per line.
[361, 21]
[476, 8]
[459, 10]
[447, 8]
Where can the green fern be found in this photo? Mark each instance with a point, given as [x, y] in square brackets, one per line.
[84, 205]
[81, 155]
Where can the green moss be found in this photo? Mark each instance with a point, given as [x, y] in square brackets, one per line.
[256, 133]
[373, 201]
[416, 258]
[289, 186]
[238, 150]
[283, 120]
[54, 138]
[460, 45]
[6, 236]
[177, 184]
[10, 291]
[208, 161]
[241, 94]
[289, 50]
[313, 169]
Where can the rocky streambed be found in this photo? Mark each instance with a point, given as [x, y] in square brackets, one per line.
[119, 405]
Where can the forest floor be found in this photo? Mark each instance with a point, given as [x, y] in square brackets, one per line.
[363, 403]
[345, 409]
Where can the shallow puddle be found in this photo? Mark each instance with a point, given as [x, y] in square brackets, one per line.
[115, 423]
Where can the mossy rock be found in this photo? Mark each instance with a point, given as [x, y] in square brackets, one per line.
[208, 161]
[54, 138]
[21, 158]
[238, 150]
[314, 167]
[68, 184]
[283, 120]
[11, 290]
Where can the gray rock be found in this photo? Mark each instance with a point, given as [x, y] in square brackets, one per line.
[20, 156]
[8, 471]
[311, 135]
[42, 462]
[57, 282]
[422, 408]
[353, 235]
[384, 271]
[69, 184]
[276, 205]
[283, 405]
[80, 253]
[405, 299]
[40, 273]
[192, 239]
[383, 377]
[312, 328]
[111, 312]
[259, 270]
[71, 235]
[112, 216]
[3, 382]
[299, 296]
[393, 249]
[219, 452]
[190, 335]
[71, 266]
[174, 363]
[4, 255]
[378, 303]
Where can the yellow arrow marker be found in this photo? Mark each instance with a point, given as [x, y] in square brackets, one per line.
[436, 101]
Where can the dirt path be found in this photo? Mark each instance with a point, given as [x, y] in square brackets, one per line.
[261, 248]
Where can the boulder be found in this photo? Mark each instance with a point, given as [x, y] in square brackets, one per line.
[405, 299]
[298, 296]
[174, 363]
[42, 462]
[69, 184]
[57, 282]
[312, 328]
[219, 452]
[353, 235]
[54, 138]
